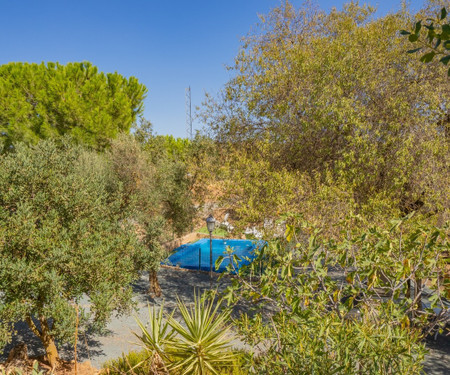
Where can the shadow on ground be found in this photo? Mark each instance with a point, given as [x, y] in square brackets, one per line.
[87, 347]
[438, 360]
[99, 348]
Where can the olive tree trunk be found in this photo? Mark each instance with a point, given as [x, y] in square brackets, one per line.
[154, 288]
[46, 338]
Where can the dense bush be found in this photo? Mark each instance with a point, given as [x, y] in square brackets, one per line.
[63, 235]
[332, 104]
[349, 307]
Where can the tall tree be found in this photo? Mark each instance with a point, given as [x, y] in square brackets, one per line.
[39, 101]
[335, 94]
[63, 235]
[157, 194]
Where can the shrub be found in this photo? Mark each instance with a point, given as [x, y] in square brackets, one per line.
[63, 235]
[198, 345]
[134, 362]
[344, 308]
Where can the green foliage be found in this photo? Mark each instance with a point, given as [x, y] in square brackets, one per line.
[131, 363]
[203, 161]
[63, 235]
[436, 40]
[348, 307]
[331, 100]
[167, 157]
[157, 188]
[326, 345]
[139, 363]
[176, 148]
[203, 343]
[49, 100]
[197, 345]
[217, 231]
[158, 335]
[178, 197]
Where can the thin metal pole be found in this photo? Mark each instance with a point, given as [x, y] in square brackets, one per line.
[188, 107]
[199, 258]
[210, 255]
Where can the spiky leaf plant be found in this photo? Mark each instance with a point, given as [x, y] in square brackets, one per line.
[198, 344]
[155, 337]
[203, 340]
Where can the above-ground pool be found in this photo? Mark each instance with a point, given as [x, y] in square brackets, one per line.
[195, 256]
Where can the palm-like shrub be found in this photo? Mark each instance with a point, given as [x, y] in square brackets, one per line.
[156, 338]
[199, 344]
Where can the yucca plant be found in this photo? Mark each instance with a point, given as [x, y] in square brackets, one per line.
[202, 343]
[133, 363]
[156, 338]
[199, 344]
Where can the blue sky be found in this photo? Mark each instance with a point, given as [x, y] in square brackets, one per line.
[167, 45]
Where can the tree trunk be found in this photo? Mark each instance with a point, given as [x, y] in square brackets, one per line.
[50, 350]
[154, 288]
[408, 289]
[46, 338]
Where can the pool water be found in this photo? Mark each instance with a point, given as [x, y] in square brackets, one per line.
[196, 255]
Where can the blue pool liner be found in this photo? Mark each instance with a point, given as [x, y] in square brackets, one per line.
[195, 256]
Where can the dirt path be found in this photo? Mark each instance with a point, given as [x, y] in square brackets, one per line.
[119, 337]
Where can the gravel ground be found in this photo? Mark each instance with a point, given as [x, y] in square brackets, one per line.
[118, 337]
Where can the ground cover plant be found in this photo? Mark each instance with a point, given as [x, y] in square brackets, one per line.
[138, 362]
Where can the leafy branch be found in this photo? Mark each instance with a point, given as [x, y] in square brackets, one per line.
[437, 40]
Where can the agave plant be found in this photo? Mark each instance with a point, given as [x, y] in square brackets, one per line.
[198, 345]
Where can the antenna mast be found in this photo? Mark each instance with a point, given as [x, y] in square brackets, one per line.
[188, 106]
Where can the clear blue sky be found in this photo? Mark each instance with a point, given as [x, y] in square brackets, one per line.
[167, 45]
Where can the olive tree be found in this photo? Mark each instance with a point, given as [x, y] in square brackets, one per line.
[156, 193]
[63, 235]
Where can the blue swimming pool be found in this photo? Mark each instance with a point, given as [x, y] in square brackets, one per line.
[195, 255]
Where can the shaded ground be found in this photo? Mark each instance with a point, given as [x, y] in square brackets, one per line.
[438, 360]
[119, 337]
